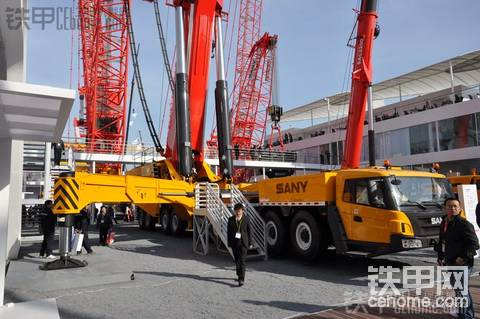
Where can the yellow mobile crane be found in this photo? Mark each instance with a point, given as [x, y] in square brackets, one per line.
[361, 211]
[369, 211]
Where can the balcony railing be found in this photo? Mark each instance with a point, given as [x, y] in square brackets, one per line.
[459, 95]
[254, 154]
[103, 146]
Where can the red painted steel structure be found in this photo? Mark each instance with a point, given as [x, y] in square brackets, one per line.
[104, 52]
[361, 80]
[254, 68]
[255, 95]
[249, 24]
[204, 12]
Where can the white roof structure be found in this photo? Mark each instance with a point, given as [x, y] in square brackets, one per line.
[33, 112]
[436, 77]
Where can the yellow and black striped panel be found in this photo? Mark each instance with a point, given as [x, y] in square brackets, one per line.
[65, 196]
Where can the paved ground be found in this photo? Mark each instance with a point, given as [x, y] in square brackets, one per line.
[172, 282]
[414, 311]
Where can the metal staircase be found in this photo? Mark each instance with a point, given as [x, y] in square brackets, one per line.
[257, 224]
[34, 154]
[39, 173]
[212, 213]
[33, 183]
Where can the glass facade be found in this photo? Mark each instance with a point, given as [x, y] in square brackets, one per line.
[337, 153]
[325, 154]
[340, 151]
[453, 133]
[395, 143]
[457, 132]
[308, 155]
[364, 155]
[477, 122]
[423, 138]
[334, 148]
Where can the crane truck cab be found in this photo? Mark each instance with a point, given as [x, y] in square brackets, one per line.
[367, 211]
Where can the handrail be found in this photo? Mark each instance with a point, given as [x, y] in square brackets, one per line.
[79, 145]
[254, 154]
[256, 221]
[207, 196]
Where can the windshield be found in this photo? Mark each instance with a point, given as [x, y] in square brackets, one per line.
[419, 190]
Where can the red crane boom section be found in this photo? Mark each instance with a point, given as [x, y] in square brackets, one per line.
[104, 43]
[255, 95]
[248, 34]
[249, 24]
[198, 70]
[361, 80]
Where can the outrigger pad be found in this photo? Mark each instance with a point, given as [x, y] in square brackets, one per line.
[63, 263]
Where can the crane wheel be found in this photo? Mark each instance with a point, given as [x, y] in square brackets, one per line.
[141, 218]
[150, 222]
[165, 220]
[305, 235]
[177, 225]
[276, 233]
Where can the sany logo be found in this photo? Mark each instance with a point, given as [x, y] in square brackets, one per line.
[360, 52]
[436, 220]
[292, 187]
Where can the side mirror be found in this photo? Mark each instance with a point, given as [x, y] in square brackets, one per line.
[395, 181]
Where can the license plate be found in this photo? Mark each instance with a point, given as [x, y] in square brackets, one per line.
[411, 243]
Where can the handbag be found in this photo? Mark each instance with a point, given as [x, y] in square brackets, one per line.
[77, 242]
[110, 238]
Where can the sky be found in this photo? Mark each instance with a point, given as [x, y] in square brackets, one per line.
[313, 55]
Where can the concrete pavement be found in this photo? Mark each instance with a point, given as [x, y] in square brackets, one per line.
[172, 282]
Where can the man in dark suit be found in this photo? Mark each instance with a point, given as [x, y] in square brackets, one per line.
[457, 247]
[239, 239]
[104, 224]
[48, 222]
[58, 148]
[477, 214]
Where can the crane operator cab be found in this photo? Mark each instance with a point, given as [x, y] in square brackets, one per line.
[385, 211]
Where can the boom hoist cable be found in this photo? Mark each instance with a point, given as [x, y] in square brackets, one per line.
[166, 60]
[163, 44]
[138, 79]
[130, 104]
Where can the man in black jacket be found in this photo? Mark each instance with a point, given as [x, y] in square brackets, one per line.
[58, 148]
[47, 222]
[238, 232]
[477, 214]
[104, 224]
[458, 246]
[82, 221]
